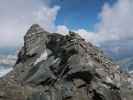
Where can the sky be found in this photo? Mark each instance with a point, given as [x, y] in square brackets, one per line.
[105, 23]
[77, 14]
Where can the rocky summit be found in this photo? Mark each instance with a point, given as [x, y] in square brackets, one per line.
[52, 66]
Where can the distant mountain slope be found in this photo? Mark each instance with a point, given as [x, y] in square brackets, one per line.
[126, 63]
[6, 63]
[8, 50]
[124, 59]
[7, 59]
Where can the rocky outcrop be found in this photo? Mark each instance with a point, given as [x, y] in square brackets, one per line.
[51, 66]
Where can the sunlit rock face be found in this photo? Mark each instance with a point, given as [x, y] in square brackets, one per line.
[51, 66]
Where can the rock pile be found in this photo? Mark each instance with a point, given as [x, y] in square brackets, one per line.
[51, 66]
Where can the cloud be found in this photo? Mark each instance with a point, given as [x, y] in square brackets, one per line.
[88, 36]
[46, 17]
[115, 28]
[116, 21]
[119, 49]
[114, 32]
[115, 24]
[18, 15]
[62, 29]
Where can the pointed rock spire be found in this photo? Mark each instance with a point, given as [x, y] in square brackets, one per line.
[34, 38]
[35, 28]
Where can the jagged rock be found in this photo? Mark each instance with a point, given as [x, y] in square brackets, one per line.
[52, 66]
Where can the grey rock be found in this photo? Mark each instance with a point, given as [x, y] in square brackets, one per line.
[51, 66]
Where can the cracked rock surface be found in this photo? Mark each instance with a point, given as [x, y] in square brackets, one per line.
[52, 66]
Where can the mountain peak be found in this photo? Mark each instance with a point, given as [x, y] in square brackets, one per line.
[51, 65]
[34, 39]
[35, 28]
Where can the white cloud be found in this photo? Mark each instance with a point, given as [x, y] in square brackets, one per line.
[46, 17]
[88, 36]
[18, 15]
[116, 21]
[62, 29]
[115, 24]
